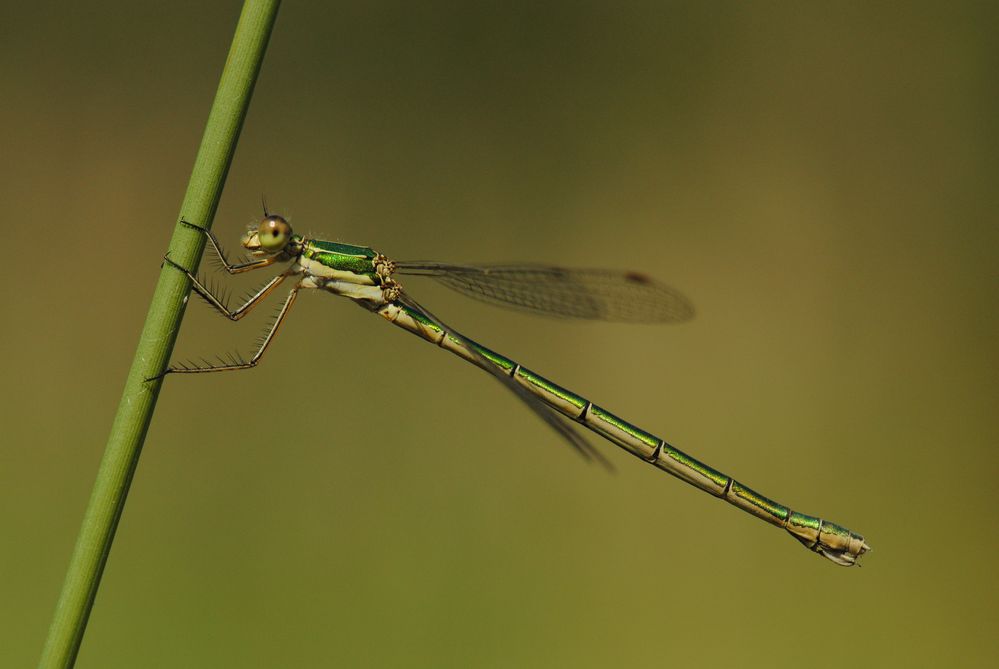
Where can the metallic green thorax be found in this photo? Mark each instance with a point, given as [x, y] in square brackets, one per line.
[341, 257]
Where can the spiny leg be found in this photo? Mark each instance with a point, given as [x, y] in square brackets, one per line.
[219, 305]
[252, 362]
[231, 268]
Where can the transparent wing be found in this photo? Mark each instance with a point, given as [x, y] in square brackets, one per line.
[596, 294]
[553, 419]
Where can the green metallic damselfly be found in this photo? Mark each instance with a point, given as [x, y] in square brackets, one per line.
[368, 278]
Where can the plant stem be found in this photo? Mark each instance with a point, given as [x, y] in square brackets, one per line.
[121, 456]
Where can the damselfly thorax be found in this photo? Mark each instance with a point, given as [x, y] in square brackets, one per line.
[356, 272]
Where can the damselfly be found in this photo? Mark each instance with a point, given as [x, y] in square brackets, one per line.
[369, 279]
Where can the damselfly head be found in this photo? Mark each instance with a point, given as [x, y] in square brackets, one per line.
[270, 237]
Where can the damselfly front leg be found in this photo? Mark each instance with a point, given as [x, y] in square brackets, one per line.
[232, 268]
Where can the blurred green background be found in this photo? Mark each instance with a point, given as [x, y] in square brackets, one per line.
[821, 181]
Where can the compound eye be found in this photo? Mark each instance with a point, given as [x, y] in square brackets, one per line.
[274, 233]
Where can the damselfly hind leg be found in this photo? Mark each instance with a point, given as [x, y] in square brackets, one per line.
[231, 362]
[218, 303]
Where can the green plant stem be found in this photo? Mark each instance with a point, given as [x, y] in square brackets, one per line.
[121, 456]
